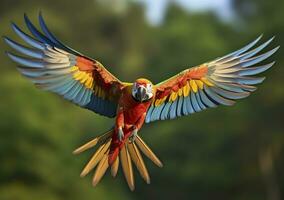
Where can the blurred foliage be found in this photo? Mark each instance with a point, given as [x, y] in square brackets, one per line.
[224, 153]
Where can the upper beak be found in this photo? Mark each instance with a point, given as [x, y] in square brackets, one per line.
[141, 93]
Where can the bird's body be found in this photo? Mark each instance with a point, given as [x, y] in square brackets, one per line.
[55, 67]
[133, 110]
[130, 115]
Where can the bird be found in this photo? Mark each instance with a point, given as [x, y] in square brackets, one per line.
[53, 66]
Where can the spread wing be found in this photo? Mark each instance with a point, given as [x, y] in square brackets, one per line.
[219, 82]
[53, 66]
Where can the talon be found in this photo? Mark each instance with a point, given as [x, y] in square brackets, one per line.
[133, 135]
[120, 134]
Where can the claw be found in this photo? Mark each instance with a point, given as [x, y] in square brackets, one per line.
[120, 134]
[133, 135]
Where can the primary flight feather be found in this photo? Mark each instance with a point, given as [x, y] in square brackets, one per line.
[55, 67]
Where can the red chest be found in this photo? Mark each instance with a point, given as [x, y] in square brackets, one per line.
[133, 110]
[132, 114]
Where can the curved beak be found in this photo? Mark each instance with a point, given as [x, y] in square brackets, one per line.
[141, 94]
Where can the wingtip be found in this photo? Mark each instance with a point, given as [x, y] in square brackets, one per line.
[25, 16]
[40, 15]
[5, 38]
[41, 19]
[258, 38]
[15, 27]
[273, 37]
[13, 24]
[274, 50]
[8, 54]
[261, 79]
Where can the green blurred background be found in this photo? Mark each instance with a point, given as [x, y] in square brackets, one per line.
[224, 153]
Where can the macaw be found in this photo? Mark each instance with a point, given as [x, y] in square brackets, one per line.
[53, 66]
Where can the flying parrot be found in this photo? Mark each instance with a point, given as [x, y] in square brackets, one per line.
[55, 67]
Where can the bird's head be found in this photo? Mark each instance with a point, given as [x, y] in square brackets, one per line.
[142, 90]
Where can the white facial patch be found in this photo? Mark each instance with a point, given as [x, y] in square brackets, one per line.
[149, 90]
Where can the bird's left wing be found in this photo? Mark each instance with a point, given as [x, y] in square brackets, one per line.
[219, 82]
[53, 66]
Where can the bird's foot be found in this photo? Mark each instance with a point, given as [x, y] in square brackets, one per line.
[133, 135]
[120, 135]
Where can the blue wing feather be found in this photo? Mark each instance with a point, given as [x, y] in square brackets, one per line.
[165, 111]
[201, 105]
[194, 102]
[189, 105]
[49, 65]
[227, 79]
[25, 62]
[53, 38]
[173, 110]
[179, 106]
[149, 114]
[24, 50]
[259, 58]
[27, 38]
[206, 100]
[255, 70]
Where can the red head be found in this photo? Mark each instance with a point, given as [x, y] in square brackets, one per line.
[142, 90]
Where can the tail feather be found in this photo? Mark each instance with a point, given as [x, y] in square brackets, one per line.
[97, 157]
[101, 170]
[98, 140]
[138, 161]
[127, 167]
[114, 167]
[148, 152]
[125, 155]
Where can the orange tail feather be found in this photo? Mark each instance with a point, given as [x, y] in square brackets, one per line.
[111, 152]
